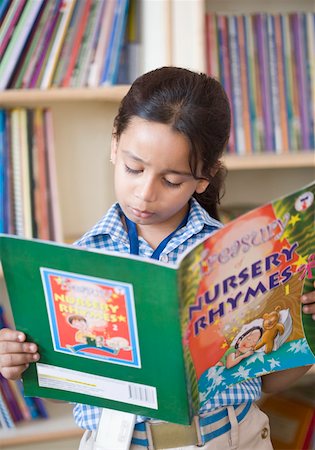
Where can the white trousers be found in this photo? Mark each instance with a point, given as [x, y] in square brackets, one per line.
[252, 432]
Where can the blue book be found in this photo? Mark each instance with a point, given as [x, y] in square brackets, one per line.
[3, 8]
[2, 168]
[111, 65]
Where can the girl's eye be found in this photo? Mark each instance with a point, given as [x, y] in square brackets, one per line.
[134, 171]
[172, 185]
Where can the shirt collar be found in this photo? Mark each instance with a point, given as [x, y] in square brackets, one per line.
[111, 224]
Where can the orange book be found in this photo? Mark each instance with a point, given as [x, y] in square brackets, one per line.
[77, 42]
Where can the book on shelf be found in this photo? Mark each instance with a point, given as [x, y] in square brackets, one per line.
[18, 39]
[14, 406]
[28, 179]
[44, 44]
[271, 67]
[230, 307]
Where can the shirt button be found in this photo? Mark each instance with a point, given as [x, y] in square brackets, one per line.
[264, 433]
[164, 258]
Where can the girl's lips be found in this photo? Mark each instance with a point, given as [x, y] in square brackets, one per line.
[141, 214]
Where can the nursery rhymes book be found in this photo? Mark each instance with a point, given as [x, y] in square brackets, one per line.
[137, 335]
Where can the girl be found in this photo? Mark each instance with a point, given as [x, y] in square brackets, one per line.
[168, 138]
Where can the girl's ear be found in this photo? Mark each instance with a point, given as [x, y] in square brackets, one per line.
[202, 186]
[113, 149]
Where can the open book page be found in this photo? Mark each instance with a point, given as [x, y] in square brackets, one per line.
[240, 294]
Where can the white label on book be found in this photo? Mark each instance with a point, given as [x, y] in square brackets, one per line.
[85, 383]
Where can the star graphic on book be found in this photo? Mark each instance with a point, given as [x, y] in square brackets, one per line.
[257, 356]
[274, 363]
[121, 318]
[241, 373]
[302, 260]
[294, 220]
[298, 346]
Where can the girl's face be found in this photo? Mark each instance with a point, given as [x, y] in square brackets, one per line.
[153, 180]
[249, 341]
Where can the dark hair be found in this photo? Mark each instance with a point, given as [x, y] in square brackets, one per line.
[194, 105]
[246, 333]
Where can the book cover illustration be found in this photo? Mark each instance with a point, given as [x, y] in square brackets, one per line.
[91, 318]
[241, 294]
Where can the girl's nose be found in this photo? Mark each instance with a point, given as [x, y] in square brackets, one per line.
[147, 190]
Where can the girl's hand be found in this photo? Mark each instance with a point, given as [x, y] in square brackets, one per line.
[15, 353]
[308, 302]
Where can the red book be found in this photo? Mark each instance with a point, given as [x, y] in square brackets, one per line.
[77, 42]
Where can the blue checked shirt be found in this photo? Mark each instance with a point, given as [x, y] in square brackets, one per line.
[110, 234]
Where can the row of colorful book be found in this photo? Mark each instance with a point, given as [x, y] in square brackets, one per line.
[61, 43]
[29, 204]
[266, 63]
[14, 407]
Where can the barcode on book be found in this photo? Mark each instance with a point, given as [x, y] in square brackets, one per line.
[141, 393]
[54, 377]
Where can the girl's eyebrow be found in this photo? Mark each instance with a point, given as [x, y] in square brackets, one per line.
[169, 171]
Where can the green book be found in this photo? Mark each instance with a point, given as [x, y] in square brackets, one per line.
[140, 336]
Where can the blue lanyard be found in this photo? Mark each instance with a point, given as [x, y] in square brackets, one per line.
[134, 239]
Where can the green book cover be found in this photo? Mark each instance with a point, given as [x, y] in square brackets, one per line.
[159, 340]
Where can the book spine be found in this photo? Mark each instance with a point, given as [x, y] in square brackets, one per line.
[6, 420]
[212, 45]
[224, 68]
[288, 80]
[46, 42]
[250, 69]
[33, 53]
[2, 170]
[300, 55]
[25, 172]
[66, 10]
[112, 75]
[9, 23]
[236, 86]
[102, 48]
[10, 399]
[295, 85]
[17, 197]
[260, 29]
[17, 41]
[8, 208]
[54, 204]
[67, 45]
[77, 43]
[244, 84]
[83, 59]
[3, 8]
[84, 75]
[17, 389]
[282, 97]
[274, 85]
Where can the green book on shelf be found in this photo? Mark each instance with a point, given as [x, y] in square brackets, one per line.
[140, 336]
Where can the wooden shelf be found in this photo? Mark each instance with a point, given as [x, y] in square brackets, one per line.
[16, 97]
[59, 425]
[271, 161]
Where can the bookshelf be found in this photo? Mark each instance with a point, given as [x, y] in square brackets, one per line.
[83, 120]
[60, 426]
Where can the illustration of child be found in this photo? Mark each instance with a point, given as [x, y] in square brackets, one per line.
[243, 347]
[88, 339]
